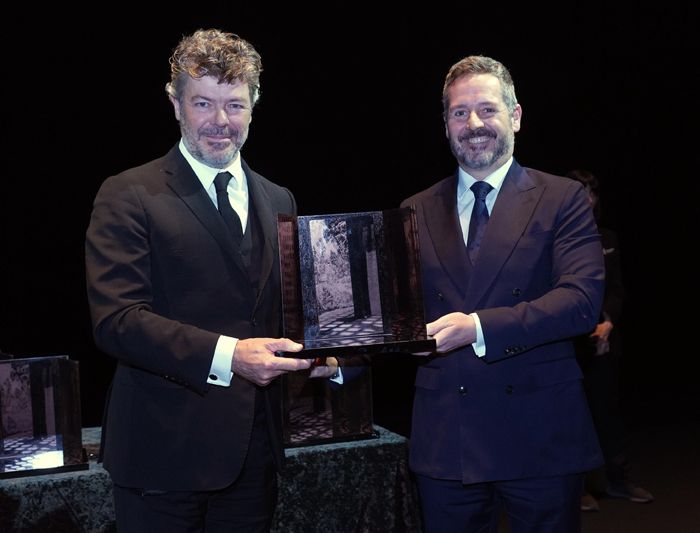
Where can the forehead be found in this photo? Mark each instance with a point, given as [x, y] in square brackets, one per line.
[210, 88]
[475, 89]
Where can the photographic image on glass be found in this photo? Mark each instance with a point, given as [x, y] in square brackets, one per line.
[351, 283]
[40, 425]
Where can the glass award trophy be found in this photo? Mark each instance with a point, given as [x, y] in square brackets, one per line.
[40, 426]
[351, 283]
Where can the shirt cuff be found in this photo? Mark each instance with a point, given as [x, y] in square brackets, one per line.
[220, 371]
[337, 377]
[480, 344]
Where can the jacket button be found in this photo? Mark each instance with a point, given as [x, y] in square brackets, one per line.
[254, 321]
[516, 292]
[462, 390]
[440, 296]
[509, 389]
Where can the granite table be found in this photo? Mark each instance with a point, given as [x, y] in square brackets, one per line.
[358, 486]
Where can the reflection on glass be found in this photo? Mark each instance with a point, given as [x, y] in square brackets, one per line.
[40, 426]
[316, 411]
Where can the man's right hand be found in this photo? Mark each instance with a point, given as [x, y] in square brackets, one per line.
[255, 360]
[452, 331]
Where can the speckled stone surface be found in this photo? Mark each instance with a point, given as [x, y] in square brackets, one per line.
[360, 486]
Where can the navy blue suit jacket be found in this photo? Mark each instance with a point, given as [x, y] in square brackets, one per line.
[520, 411]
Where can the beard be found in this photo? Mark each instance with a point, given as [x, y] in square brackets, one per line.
[481, 159]
[211, 153]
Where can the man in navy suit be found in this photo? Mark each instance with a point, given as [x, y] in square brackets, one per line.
[500, 419]
[192, 432]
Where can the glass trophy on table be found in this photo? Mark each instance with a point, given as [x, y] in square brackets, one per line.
[351, 289]
[40, 417]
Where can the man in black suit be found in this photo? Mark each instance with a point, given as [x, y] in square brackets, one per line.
[500, 418]
[191, 311]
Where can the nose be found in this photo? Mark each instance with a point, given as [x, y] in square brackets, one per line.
[220, 117]
[473, 121]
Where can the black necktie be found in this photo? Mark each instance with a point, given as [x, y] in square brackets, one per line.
[480, 217]
[233, 221]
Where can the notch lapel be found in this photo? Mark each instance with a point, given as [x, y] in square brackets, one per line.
[183, 181]
[268, 225]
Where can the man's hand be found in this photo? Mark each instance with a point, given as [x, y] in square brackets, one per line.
[255, 359]
[601, 336]
[452, 331]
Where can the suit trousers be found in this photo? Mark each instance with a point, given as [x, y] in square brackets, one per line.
[247, 505]
[535, 505]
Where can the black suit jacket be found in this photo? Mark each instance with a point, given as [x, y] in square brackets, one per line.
[164, 282]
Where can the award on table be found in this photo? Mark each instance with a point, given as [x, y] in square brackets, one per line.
[351, 283]
[40, 425]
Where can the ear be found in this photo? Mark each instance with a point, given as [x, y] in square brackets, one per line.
[176, 106]
[515, 118]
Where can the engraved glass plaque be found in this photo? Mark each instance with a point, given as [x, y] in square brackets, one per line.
[351, 283]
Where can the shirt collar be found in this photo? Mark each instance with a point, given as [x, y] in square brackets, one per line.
[206, 174]
[495, 179]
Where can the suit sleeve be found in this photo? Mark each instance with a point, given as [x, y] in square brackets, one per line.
[569, 290]
[120, 292]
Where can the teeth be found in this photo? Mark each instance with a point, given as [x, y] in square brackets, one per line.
[477, 140]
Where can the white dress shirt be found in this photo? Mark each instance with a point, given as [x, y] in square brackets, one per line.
[465, 204]
[220, 371]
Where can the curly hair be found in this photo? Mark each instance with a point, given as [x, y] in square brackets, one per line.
[212, 52]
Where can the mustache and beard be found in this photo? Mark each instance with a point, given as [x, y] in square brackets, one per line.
[212, 153]
[480, 158]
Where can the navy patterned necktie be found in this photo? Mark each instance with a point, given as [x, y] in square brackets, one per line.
[231, 218]
[479, 219]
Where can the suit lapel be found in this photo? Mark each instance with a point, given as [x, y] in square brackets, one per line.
[445, 233]
[510, 215]
[183, 181]
[268, 224]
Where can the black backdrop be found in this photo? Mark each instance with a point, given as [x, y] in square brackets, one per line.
[350, 120]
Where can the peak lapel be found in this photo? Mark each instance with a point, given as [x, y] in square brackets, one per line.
[445, 233]
[510, 215]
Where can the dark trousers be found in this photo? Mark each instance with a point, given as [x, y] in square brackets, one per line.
[247, 505]
[536, 505]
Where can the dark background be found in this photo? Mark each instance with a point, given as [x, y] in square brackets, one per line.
[350, 120]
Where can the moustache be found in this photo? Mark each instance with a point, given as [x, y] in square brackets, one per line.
[221, 132]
